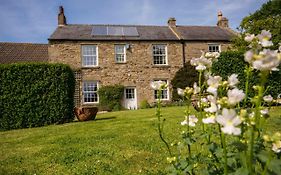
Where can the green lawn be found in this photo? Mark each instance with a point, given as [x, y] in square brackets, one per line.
[125, 142]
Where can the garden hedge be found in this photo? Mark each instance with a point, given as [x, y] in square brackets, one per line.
[231, 62]
[110, 97]
[35, 94]
[184, 77]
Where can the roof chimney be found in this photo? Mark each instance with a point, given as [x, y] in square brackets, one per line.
[222, 21]
[172, 22]
[61, 17]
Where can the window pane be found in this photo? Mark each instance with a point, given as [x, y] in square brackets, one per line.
[89, 55]
[159, 54]
[120, 53]
[214, 48]
[130, 93]
[163, 94]
[90, 92]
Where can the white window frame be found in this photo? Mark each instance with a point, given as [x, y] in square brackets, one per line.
[214, 45]
[133, 94]
[124, 53]
[95, 56]
[167, 90]
[93, 91]
[160, 55]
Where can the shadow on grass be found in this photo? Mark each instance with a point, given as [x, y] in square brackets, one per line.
[106, 118]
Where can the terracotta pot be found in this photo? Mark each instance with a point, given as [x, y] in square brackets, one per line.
[85, 113]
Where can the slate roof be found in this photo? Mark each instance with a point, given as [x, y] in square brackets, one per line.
[204, 33]
[147, 33]
[23, 52]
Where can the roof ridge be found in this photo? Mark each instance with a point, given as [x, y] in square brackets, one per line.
[194, 26]
[129, 25]
[18, 43]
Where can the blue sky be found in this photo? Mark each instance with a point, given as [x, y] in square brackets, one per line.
[35, 20]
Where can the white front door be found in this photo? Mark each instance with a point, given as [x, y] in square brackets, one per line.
[130, 98]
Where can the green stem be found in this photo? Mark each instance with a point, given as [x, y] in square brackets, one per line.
[188, 130]
[266, 165]
[200, 102]
[252, 136]
[224, 153]
[248, 71]
[160, 130]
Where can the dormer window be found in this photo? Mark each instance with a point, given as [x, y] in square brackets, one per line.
[120, 53]
[89, 55]
[159, 54]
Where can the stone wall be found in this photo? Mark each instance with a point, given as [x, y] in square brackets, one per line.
[138, 71]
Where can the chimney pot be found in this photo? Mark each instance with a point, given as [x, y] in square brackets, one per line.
[222, 21]
[172, 22]
[61, 17]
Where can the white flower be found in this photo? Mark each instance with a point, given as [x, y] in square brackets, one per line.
[204, 100]
[264, 111]
[213, 83]
[248, 56]
[211, 119]
[213, 107]
[229, 120]
[233, 80]
[279, 47]
[156, 85]
[180, 92]
[268, 98]
[267, 60]
[264, 38]
[200, 67]
[235, 96]
[212, 55]
[201, 63]
[266, 43]
[276, 146]
[196, 88]
[190, 120]
[249, 37]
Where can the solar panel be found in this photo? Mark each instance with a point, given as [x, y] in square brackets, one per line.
[99, 30]
[114, 31]
[130, 31]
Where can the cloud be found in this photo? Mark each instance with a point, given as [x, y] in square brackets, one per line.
[24, 21]
[35, 20]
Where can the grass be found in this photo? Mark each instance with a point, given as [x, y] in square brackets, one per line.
[125, 142]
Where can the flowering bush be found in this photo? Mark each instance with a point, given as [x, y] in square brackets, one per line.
[225, 136]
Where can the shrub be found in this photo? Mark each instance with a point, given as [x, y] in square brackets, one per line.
[110, 97]
[35, 94]
[184, 77]
[231, 62]
[144, 104]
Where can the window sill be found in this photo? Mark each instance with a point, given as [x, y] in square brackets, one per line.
[90, 103]
[164, 65]
[90, 67]
[120, 62]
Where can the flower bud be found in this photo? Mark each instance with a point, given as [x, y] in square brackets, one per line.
[266, 138]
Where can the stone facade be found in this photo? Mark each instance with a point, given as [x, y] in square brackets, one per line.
[138, 71]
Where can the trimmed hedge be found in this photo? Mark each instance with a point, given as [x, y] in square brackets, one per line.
[184, 77]
[35, 94]
[110, 97]
[231, 62]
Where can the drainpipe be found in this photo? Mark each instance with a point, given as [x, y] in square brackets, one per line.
[183, 52]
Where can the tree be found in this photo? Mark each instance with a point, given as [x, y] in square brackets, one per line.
[268, 17]
[184, 77]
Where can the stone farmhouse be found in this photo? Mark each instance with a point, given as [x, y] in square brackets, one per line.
[131, 55]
